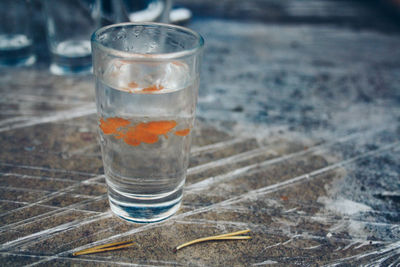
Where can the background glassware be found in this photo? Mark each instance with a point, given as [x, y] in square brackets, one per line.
[147, 78]
[116, 11]
[70, 24]
[16, 43]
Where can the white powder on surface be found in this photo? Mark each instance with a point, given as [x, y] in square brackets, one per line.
[343, 206]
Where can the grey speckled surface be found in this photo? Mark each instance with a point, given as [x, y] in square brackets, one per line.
[297, 139]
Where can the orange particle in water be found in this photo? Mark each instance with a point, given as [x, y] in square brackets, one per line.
[183, 132]
[132, 85]
[135, 135]
[157, 127]
[153, 88]
[144, 132]
[148, 132]
[111, 125]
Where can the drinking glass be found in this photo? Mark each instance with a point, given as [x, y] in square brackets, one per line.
[147, 79]
[117, 11]
[70, 24]
[16, 43]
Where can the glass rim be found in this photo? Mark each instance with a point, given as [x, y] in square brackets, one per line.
[157, 56]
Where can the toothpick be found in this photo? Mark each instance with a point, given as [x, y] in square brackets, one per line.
[228, 236]
[106, 247]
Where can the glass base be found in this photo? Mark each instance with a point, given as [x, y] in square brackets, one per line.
[145, 209]
[17, 62]
[70, 70]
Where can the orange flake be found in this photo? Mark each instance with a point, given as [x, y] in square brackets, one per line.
[144, 132]
[158, 127]
[111, 125]
[153, 88]
[132, 85]
[183, 132]
[148, 132]
[135, 135]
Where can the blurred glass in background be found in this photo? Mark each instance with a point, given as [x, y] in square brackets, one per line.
[116, 11]
[69, 24]
[16, 33]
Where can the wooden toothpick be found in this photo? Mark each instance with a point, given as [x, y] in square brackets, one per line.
[228, 236]
[106, 247]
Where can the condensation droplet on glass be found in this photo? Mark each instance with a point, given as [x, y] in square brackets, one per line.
[121, 35]
[137, 31]
[152, 45]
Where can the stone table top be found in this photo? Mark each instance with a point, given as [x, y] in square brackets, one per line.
[297, 139]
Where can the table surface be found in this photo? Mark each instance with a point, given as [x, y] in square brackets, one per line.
[297, 139]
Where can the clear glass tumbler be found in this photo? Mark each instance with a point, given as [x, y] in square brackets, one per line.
[147, 79]
[70, 24]
[117, 11]
[16, 43]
